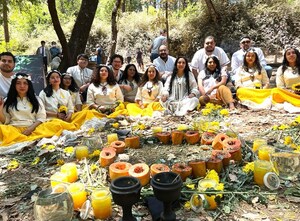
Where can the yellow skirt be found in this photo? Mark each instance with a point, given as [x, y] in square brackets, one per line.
[135, 110]
[280, 95]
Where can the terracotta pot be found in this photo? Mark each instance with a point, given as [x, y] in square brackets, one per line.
[158, 168]
[192, 137]
[107, 156]
[217, 143]
[177, 137]
[182, 169]
[207, 138]
[214, 164]
[198, 168]
[119, 169]
[132, 142]
[233, 146]
[223, 155]
[140, 171]
[164, 137]
[119, 146]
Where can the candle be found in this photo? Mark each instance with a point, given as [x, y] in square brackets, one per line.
[257, 143]
[101, 203]
[264, 152]
[261, 167]
[112, 137]
[205, 184]
[81, 152]
[71, 170]
[156, 129]
[58, 178]
[77, 191]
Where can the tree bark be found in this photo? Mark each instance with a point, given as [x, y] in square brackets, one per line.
[5, 21]
[123, 5]
[212, 11]
[114, 27]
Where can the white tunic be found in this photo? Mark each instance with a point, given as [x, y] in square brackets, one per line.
[149, 92]
[4, 85]
[288, 78]
[209, 82]
[243, 78]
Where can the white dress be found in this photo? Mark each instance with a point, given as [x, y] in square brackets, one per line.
[149, 92]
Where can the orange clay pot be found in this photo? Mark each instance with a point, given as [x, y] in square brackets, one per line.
[164, 137]
[207, 138]
[177, 137]
[217, 143]
[119, 146]
[158, 168]
[222, 154]
[192, 137]
[140, 171]
[214, 164]
[233, 146]
[119, 169]
[182, 169]
[132, 142]
[198, 168]
[107, 156]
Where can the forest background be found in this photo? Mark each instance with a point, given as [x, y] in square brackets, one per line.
[119, 25]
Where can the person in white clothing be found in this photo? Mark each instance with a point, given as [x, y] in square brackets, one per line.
[237, 58]
[81, 74]
[210, 48]
[7, 65]
[164, 63]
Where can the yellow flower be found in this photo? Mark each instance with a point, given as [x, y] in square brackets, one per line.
[60, 162]
[115, 125]
[297, 119]
[248, 167]
[35, 161]
[13, 164]
[275, 127]
[69, 150]
[217, 107]
[283, 127]
[182, 127]
[293, 146]
[297, 150]
[288, 140]
[209, 106]
[44, 146]
[50, 147]
[91, 131]
[224, 112]
[212, 174]
[187, 205]
[198, 106]
[96, 153]
[62, 109]
[93, 167]
[142, 126]
[191, 186]
[206, 112]
[257, 85]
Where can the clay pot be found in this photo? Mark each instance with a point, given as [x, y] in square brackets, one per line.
[223, 155]
[140, 171]
[214, 164]
[158, 168]
[207, 138]
[107, 156]
[182, 169]
[192, 137]
[198, 168]
[217, 143]
[119, 169]
[164, 137]
[233, 146]
[119, 146]
[177, 137]
[132, 142]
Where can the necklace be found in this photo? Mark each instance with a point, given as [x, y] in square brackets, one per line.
[104, 88]
[294, 70]
[149, 87]
[24, 103]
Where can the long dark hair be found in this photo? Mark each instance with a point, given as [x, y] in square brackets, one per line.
[96, 76]
[217, 72]
[48, 89]
[285, 63]
[73, 86]
[256, 62]
[124, 77]
[186, 74]
[145, 77]
[12, 94]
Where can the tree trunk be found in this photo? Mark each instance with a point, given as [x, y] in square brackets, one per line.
[114, 27]
[167, 23]
[212, 11]
[5, 21]
[123, 5]
[80, 32]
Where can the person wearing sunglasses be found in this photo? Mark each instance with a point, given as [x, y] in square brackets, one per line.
[104, 94]
[238, 56]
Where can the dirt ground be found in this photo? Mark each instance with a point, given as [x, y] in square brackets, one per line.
[19, 187]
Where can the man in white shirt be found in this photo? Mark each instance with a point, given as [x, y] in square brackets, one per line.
[7, 65]
[164, 63]
[237, 58]
[81, 74]
[210, 48]
[116, 63]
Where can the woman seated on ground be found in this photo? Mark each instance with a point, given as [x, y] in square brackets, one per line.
[180, 93]
[68, 83]
[104, 94]
[252, 82]
[22, 111]
[129, 83]
[57, 101]
[211, 83]
[148, 94]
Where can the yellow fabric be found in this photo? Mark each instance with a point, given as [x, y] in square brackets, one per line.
[280, 95]
[135, 110]
[256, 95]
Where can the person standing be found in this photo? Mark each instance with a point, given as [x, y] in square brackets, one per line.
[45, 53]
[98, 52]
[157, 42]
[139, 59]
[54, 50]
[7, 65]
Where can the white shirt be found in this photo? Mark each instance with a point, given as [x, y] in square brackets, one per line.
[288, 78]
[199, 59]
[237, 59]
[81, 76]
[210, 82]
[4, 85]
[163, 66]
[149, 92]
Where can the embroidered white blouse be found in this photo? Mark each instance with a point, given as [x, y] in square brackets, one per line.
[149, 92]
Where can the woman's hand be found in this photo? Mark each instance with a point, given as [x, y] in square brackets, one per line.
[28, 131]
[1, 103]
[209, 91]
[192, 95]
[68, 117]
[126, 87]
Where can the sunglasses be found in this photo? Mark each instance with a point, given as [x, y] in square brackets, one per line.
[244, 42]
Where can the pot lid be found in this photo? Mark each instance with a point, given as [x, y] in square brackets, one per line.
[271, 181]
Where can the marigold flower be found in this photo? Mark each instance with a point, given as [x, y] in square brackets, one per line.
[224, 112]
[288, 140]
[35, 161]
[283, 127]
[191, 186]
[206, 112]
[187, 205]
[50, 147]
[115, 125]
[62, 109]
[91, 131]
[93, 167]
[13, 164]
[249, 167]
[60, 162]
[212, 174]
[69, 150]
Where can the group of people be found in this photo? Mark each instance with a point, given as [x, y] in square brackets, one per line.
[168, 86]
